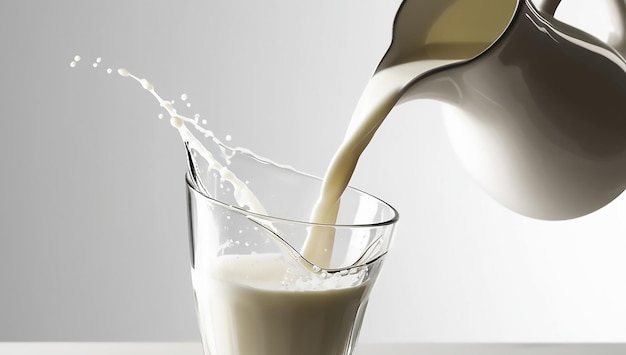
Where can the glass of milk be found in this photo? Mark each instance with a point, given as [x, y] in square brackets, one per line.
[256, 294]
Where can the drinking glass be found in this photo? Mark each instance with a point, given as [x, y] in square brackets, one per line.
[255, 293]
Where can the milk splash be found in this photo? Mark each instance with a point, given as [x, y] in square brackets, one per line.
[242, 195]
[212, 155]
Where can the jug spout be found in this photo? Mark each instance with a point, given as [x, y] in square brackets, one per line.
[430, 37]
[446, 29]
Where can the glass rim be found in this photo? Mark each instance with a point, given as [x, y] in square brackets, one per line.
[389, 221]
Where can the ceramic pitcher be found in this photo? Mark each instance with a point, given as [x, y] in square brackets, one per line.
[536, 108]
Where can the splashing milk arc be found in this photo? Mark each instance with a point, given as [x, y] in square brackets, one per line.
[242, 194]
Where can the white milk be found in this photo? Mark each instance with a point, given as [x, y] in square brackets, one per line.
[244, 309]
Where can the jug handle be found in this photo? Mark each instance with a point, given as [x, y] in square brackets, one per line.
[617, 11]
[549, 6]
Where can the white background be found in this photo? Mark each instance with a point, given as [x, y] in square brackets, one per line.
[92, 211]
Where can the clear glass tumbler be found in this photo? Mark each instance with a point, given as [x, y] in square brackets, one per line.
[255, 293]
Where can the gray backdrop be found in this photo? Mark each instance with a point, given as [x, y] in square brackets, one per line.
[93, 224]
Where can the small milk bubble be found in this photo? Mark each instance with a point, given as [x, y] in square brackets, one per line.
[176, 122]
[204, 122]
[77, 58]
[98, 60]
[228, 137]
[146, 84]
[160, 116]
[109, 71]
[123, 72]
[95, 65]
[183, 97]
[168, 105]
[189, 104]
[73, 64]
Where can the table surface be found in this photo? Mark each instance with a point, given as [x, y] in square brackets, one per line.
[46, 348]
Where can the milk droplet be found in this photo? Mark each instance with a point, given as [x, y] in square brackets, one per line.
[77, 58]
[204, 121]
[160, 116]
[189, 104]
[176, 122]
[146, 85]
[228, 137]
[123, 72]
[98, 60]
[196, 116]
[183, 97]
[109, 71]
[95, 65]
[73, 64]
[168, 105]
